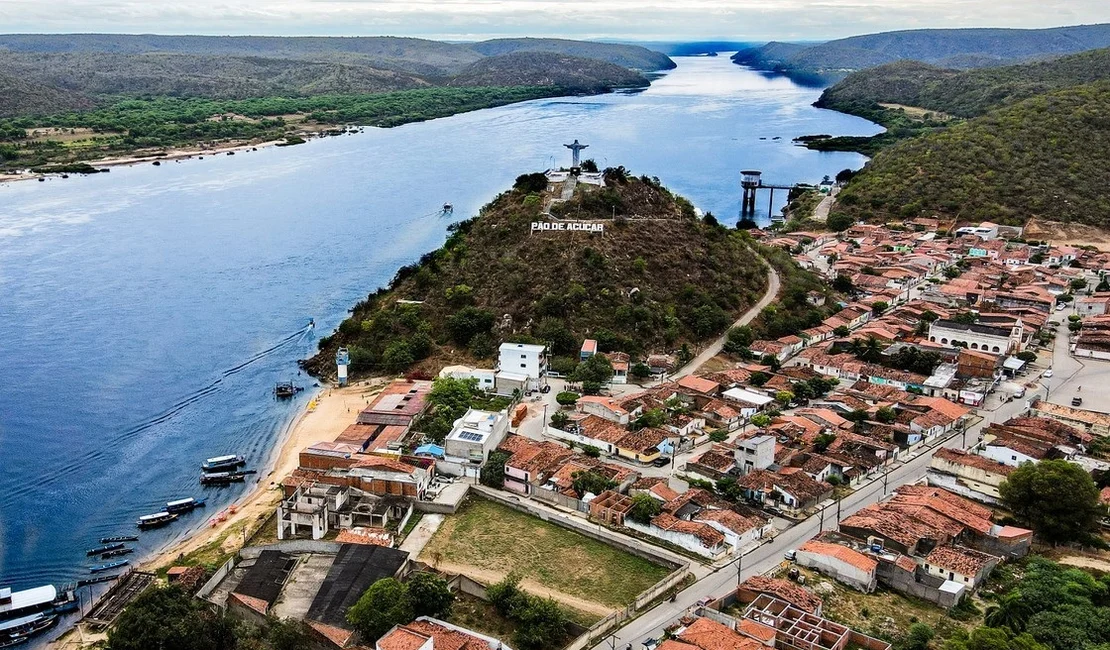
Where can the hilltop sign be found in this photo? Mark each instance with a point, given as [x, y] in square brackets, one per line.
[565, 226]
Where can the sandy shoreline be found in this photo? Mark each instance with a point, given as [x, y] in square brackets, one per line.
[335, 409]
[179, 153]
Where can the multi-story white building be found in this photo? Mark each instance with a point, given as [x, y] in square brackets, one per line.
[755, 453]
[524, 362]
[473, 437]
[978, 336]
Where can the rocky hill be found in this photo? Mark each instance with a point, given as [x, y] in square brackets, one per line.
[626, 56]
[1047, 156]
[943, 47]
[657, 277]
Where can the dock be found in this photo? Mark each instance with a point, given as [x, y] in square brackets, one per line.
[105, 610]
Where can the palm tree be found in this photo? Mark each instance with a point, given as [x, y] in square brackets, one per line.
[1011, 611]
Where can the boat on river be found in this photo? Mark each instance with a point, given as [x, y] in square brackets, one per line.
[116, 553]
[104, 549]
[20, 630]
[119, 538]
[224, 478]
[223, 463]
[99, 568]
[184, 505]
[27, 612]
[156, 520]
[287, 389]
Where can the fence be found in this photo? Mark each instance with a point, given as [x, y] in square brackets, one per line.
[217, 577]
[557, 498]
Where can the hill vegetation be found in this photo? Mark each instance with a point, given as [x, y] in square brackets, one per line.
[1047, 156]
[114, 93]
[656, 278]
[954, 48]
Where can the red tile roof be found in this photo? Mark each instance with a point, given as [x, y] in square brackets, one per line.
[958, 559]
[784, 590]
[842, 553]
[708, 634]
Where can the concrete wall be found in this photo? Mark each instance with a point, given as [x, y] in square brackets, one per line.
[687, 541]
[837, 570]
[907, 583]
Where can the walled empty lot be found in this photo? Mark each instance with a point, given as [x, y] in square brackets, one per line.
[486, 541]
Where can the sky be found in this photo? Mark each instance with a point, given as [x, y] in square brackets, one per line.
[753, 20]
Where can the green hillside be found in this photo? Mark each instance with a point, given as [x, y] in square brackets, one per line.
[1047, 156]
[19, 96]
[626, 56]
[657, 277]
[977, 47]
[548, 69]
[964, 94]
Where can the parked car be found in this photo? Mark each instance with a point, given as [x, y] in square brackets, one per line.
[1047, 373]
[661, 461]
[1076, 401]
[791, 555]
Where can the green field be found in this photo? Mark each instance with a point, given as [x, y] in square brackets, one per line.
[495, 539]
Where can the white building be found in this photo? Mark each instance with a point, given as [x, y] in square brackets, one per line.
[755, 453]
[485, 377]
[978, 336]
[748, 402]
[473, 437]
[985, 230]
[523, 360]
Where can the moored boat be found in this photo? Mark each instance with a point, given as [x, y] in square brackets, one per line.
[107, 566]
[20, 630]
[103, 549]
[224, 478]
[184, 505]
[116, 553]
[155, 520]
[223, 463]
[119, 538]
[287, 389]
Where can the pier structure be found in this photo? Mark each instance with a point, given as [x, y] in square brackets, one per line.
[751, 181]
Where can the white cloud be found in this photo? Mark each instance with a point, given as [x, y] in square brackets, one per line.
[465, 19]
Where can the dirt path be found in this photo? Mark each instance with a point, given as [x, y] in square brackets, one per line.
[487, 576]
[714, 348]
[1086, 562]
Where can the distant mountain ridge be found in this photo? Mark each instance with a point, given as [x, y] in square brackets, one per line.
[957, 48]
[238, 67]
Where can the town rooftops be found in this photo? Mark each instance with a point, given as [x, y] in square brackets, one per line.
[960, 457]
[699, 384]
[747, 397]
[443, 636]
[708, 634]
[706, 534]
[398, 403]
[783, 590]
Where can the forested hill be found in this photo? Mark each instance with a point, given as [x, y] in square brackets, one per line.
[958, 48]
[961, 93]
[626, 56]
[547, 69]
[21, 95]
[1047, 156]
[657, 277]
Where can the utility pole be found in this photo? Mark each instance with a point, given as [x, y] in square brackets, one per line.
[886, 476]
[739, 569]
[821, 526]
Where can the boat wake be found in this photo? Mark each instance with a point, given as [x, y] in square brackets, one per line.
[59, 473]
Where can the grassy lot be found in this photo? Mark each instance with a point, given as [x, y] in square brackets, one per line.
[480, 616]
[494, 538]
[882, 614]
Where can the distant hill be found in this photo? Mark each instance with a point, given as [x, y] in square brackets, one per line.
[628, 56]
[641, 286]
[21, 97]
[1047, 156]
[963, 94]
[944, 47]
[548, 69]
[213, 76]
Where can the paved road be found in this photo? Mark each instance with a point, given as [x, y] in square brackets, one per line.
[762, 559]
[716, 346]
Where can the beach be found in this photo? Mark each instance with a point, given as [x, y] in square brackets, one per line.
[335, 409]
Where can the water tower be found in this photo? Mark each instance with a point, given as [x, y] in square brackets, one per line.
[342, 360]
[750, 181]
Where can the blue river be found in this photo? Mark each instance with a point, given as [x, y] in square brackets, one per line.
[146, 314]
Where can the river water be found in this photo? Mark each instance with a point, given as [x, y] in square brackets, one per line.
[146, 314]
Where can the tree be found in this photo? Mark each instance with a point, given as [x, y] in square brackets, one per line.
[649, 419]
[528, 183]
[784, 397]
[822, 442]
[640, 370]
[760, 420]
[567, 398]
[879, 307]
[1027, 356]
[644, 508]
[842, 331]
[589, 166]
[170, 619]
[493, 472]
[1057, 498]
[719, 435]
[559, 420]
[541, 622]
[917, 638]
[468, 322]
[1078, 284]
[597, 369]
[385, 604]
[839, 221]
[590, 481]
[758, 378]
[844, 284]
[397, 356]
[506, 596]
[729, 488]
[430, 595]
[448, 401]
[886, 415]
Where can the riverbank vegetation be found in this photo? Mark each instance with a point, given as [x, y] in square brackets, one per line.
[656, 278]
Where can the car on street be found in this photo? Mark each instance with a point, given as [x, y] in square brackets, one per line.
[661, 461]
[1047, 373]
[791, 555]
[1076, 401]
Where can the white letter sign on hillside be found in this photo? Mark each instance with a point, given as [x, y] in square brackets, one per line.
[567, 226]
